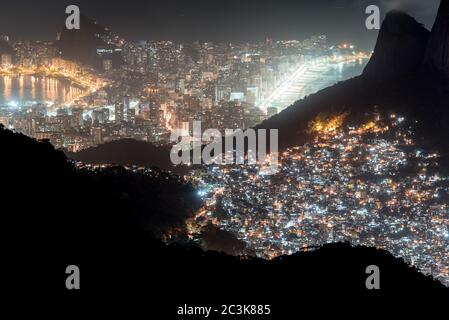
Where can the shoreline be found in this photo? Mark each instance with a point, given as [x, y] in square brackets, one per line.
[43, 74]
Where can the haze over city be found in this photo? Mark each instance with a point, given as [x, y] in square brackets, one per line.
[232, 20]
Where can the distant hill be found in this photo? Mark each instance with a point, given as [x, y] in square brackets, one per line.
[128, 152]
[81, 45]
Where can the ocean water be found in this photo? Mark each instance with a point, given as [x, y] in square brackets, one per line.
[23, 90]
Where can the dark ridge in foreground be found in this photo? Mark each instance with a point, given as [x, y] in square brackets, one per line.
[128, 152]
[54, 216]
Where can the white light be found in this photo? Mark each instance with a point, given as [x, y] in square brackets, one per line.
[13, 104]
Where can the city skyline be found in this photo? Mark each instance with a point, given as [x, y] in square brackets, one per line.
[86, 95]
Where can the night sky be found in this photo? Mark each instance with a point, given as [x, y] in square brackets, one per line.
[211, 20]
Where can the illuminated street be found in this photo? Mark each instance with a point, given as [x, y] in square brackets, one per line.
[310, 77]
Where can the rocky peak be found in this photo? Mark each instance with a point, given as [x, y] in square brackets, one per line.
[400, 46]
[437, 52]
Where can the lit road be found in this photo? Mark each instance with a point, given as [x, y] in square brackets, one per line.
[306, 79]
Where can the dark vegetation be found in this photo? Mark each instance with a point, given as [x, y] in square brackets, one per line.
[105, 222]
[128, 151]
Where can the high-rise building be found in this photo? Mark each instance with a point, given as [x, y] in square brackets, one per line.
[107, 65]
[179, 85]
[131, 115]
[97, 135]
[77, 117]
[126, 107]
[6, 60]
[100, 116]
[119, 110]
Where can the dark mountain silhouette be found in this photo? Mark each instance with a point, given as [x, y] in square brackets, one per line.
[128, 152]
[81, 45]
[400, 46]
[437, 53]
[158, 202]
[105, 222]
[216, 239]
[398, 79]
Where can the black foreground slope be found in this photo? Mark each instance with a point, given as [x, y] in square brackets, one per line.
[54, 216]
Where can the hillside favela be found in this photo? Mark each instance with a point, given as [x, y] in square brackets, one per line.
[353, 95]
